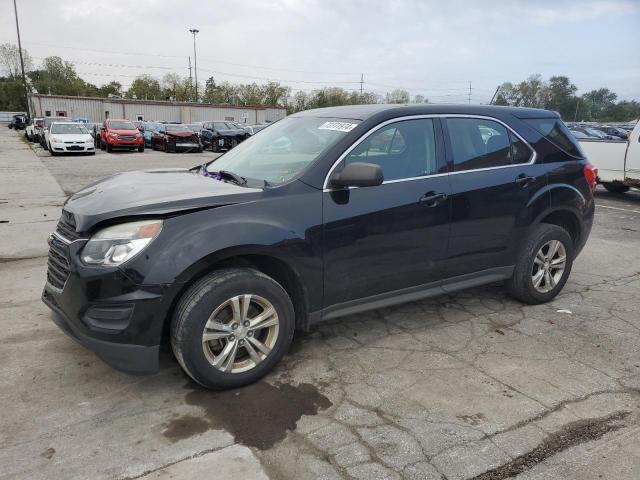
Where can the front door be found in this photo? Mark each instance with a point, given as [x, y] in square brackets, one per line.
[392, 236]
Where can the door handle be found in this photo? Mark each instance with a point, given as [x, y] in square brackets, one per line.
[432, 199]
[524, 180]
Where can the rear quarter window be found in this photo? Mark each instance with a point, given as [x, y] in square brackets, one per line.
[555, 131]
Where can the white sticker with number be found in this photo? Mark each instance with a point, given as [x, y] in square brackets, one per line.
[338, 126]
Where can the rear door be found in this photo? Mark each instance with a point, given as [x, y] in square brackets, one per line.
[493, 179]
[392, 236]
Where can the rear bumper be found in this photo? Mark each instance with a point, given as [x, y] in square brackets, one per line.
[129, 358]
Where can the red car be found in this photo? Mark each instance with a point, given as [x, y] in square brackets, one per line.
[120, 134]
[173, 137]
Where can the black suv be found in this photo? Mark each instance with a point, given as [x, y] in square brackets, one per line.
[220, 136]
[326, 213]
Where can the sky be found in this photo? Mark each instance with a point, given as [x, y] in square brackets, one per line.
[432, 48]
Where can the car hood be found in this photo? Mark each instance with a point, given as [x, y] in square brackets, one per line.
[180, 134]
[231, 132]
[152, 193]
[125, 132]
[72, 137]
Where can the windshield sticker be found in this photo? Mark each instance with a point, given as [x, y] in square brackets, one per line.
[338, 126]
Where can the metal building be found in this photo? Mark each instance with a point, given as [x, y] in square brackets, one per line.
[97, 109]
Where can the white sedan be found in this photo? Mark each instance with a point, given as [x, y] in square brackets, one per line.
[69, 137]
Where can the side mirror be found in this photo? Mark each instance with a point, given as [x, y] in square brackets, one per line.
[358, 174]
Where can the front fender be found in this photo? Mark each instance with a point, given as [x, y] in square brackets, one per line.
[287, 228]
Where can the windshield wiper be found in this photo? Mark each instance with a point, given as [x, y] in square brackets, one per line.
[227, 175]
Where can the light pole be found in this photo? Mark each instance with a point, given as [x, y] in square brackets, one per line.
[195, 59]
[24, 78]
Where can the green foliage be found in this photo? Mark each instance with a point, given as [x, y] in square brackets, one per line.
[397, 96]
[145, 87]
[559, 94]
[12, 95]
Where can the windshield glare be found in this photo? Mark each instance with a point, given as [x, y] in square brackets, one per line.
[122, 126]
[178, 128]
[71, 128]
[284, 149]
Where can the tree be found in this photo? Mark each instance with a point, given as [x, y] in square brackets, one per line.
[12, 95]
[397, 96]
[561, 96]
[222, 93]
[111, 88]
[58, 78]
[418, 99]
[598, 102]
[250, 94]
[10, 61]
[145, 87]
[275, 94]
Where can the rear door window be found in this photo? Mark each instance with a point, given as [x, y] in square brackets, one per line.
[481, 143]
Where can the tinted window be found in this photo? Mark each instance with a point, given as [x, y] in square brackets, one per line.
[403, 150]
[122, 125]
[557, 133]
[480, 143]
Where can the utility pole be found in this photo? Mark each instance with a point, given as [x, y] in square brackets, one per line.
[24, 78]
[494, 95]
[469, 92]
[361, 82]
[195, 59]
[190, 79]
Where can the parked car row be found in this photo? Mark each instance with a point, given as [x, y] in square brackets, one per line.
[119, 134]
[586, 131]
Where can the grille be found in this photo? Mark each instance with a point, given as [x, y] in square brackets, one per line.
[67, 226]
[126, 137]
[57, 264]
[75, 147]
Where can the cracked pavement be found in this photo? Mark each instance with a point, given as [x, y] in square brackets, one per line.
[469, 385]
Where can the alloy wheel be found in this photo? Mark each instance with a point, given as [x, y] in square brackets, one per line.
[240, 333]
[548, 266]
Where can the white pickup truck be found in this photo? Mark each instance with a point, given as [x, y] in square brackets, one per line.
[617, 161]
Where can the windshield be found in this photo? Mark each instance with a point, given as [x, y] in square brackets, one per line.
[221, 126]
[284, 149]
[122, 125]
[48, 121]
[178, 128]
[72, 128]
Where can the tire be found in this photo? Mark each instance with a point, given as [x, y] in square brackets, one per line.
[615, 187]
[109, 148]
[53, 154]
[212, 293]
[521, 284]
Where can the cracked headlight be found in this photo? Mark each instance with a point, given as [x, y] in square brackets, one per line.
[116, 244]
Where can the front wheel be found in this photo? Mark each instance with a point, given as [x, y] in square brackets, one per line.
[232, 327]
[543, 265]
[109, 148]
[615, 187]
[141, 149]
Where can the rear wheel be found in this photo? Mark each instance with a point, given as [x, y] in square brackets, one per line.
[615, 187]
[232, 327]
[543, 265]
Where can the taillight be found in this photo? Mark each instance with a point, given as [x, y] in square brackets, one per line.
[591, 176]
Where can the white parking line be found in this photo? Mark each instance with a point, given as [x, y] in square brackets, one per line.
[618, 208]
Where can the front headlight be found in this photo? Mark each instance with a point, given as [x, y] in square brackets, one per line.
[116, 244]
